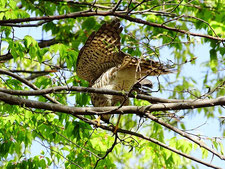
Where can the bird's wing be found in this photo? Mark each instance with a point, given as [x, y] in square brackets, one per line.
[145, 67]
[100, 52]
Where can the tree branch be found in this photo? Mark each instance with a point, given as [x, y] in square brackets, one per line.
[70, 2]
[164, 146]
[116, 6]
[121, 14]
[108, 151]
[25, 25]
[151, 140]
[200, 143]
[63, 156]
[31, 85]
[151, 99]
[137, 20]
[140, 110]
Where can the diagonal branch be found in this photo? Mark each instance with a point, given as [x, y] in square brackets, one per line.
[60, 154]
[137, 20]
[116, 6]
[129, 11]
[31, 85]
[200, 143]
[151, 140]
[120, 14]
[165, 146]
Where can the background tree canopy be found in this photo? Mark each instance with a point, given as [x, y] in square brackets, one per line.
[46, 115]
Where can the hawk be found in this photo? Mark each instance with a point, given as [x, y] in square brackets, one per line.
[102, 63]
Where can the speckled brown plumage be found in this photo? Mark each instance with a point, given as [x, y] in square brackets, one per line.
[104, 65]
[100, 52]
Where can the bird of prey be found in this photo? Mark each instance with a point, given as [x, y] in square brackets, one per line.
[102, 63]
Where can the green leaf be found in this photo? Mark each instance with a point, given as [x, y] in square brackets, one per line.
[33, 52]
[89, 23]
[213, 60]
[218, 27]
[28, 40]
[3, 3]
[12, 4]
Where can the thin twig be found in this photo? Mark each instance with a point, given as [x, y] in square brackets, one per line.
[59, 154]
[108, 151]
[129, 11]
[116, 6]
[176, 6]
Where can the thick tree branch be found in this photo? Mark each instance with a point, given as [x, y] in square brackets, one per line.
[140, 110]
[5, 57]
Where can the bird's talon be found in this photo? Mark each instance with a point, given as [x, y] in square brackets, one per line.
[98, 121]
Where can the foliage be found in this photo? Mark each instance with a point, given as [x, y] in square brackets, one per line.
[44, 52]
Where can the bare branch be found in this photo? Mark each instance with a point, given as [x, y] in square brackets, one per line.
[31, 71]
[129, 11]
[137, 20]
[165, 146]
[70, 2]
[182, 133]
[82, 148]
[5, 57]
[176, 6]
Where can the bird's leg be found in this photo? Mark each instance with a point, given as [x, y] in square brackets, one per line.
[117, 125]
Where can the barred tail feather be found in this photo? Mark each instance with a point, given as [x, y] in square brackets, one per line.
[146, 67]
